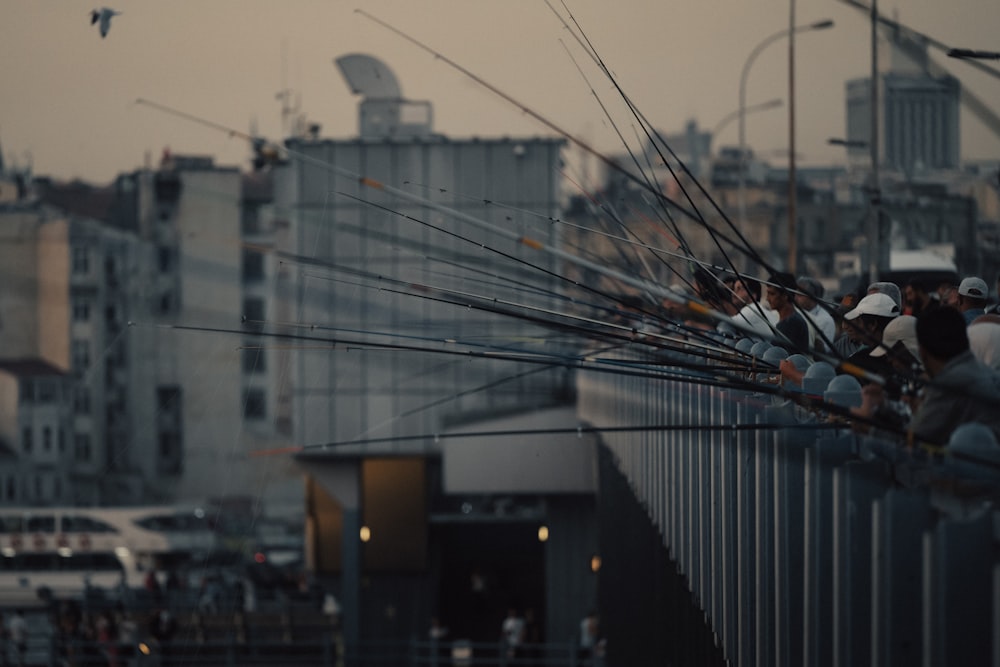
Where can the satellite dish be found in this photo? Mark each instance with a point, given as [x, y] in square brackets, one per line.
[368, 76]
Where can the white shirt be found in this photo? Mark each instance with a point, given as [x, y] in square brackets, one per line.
[819, 319]
[750, 315]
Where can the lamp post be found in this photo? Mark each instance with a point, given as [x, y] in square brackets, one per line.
[972, 54]
[742, 111]
[733, 115]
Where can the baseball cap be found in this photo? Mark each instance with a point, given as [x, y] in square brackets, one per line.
[811, 286]
[903, 328]
[974, 287]
[878, 304]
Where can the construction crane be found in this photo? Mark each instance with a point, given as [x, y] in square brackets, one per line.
[914, 45]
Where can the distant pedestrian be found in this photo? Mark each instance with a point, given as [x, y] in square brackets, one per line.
[17, 629]
[512, 632]
[591, 643]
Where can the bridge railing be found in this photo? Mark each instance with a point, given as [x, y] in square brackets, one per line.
[803, 542]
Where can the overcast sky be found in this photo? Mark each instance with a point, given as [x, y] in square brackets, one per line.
[67, 96]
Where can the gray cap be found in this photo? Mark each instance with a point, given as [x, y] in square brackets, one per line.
[811, 286]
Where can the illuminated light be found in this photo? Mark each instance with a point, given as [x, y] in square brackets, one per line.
[65, 552]
[123, 552]
[366, 533]
[200, 513]
[7, 551]
[259, 557]
[144, 648]
[543, 533]
[595, 563]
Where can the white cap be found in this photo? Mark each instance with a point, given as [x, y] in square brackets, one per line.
[974, 287]
[878, 304]
[903, 328]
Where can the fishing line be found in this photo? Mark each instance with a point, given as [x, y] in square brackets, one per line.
[696, 308]
[650, 338]
[648, 181]
[651, 131]
[546, 122]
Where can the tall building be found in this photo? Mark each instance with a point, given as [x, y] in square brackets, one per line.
[396, 249]
[204, 409]
[918, 121]
[918, 109]
[146, 294]
[64, 306]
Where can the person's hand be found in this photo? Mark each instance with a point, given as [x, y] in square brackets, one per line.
[790, 374]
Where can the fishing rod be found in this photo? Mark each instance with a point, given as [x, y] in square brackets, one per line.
[588, 47]
[696, 308]
[650, 131]
[708, 376]
[524, 108]
[325, 264]
[627, 335]
[582, 228]
[643, 173]
[459, 215]
[745, 246]
[581, 430]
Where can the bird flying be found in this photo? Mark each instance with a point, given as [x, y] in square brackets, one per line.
[104, 16]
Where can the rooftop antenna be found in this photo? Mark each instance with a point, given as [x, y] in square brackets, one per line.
[285, 94]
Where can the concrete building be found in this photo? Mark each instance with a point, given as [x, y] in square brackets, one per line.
[36, 461]
[918, 110]
[202, 405]
[63, 306]
[145, 295]
[397, 250]
[918, 121]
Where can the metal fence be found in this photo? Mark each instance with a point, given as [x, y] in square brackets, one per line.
[804, 543]
[322, 651]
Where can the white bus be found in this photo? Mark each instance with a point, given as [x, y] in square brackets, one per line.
[67, 549]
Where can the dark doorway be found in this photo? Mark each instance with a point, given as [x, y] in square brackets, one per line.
[485, 570]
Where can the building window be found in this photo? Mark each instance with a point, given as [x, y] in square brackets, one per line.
[254, 404]
[253, 313]
[81, 355]
[12, 488]
[253, 358]
[61, 438]
[81, 446]
[47, 439]
[81, 400]
[168, 406]
[27, 438]
[166, 303]
[27, 391]
[253, 265]
[81, 310]
[165, 256]
[81, 260]
[46, 391]
[250, 218]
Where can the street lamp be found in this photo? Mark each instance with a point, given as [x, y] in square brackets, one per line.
[733, 115]
[742, 111]
[847, 143]
[972, 54]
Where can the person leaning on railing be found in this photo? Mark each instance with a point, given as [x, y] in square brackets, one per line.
[960, 390]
